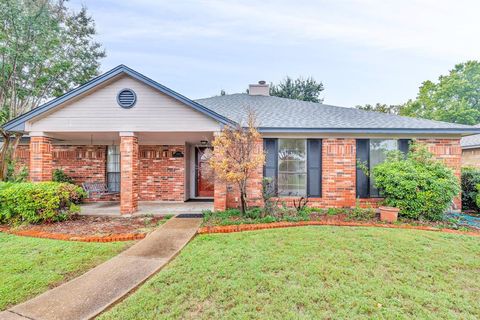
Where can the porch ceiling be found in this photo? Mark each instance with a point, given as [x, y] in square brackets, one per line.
[152, 138]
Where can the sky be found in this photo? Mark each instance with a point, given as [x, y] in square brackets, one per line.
[363, 51]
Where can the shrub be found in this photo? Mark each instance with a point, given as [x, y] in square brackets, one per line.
[38, 202]
[16, 174]
[419, 186]
[60, 176]
[361, 214]
[470, 180]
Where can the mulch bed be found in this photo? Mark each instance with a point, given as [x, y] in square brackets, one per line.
[90, 229]
[326, 222]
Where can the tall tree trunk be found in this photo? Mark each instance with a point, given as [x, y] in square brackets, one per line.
[4, 155]
[243, 198]
[7, 152]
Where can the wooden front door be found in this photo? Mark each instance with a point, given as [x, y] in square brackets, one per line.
[204, 172]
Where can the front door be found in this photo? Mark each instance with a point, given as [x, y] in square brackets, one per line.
[204, 172]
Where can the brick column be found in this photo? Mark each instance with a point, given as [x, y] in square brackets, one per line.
[40, 158]
[129, 173]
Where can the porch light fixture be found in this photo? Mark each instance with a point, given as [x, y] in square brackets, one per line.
[203, 142]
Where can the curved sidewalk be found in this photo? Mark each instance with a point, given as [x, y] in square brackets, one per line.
[91, 293]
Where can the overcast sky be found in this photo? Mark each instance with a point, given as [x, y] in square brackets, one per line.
[364, 51]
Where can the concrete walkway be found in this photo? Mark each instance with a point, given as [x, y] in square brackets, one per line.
[88, 295]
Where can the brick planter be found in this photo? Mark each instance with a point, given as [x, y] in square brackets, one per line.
[275, 225]
[71, 237]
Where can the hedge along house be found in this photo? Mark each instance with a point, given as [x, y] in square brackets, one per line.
[146, 142]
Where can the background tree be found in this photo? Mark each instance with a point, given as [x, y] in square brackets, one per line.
[379, 107]
[45, 50]
[306, 89]
[235, 156]
[454, 98]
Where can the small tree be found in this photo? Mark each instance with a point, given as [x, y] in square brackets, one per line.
[421, 187]
[235, 156]
[306, 89]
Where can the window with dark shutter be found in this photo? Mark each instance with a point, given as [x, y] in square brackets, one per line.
[363, 183]
[294, 166]
[371, 152]
[314, 167]
[403, 145]
[271, 160]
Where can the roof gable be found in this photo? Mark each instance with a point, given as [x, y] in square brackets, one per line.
[99, 111]
[18, 124]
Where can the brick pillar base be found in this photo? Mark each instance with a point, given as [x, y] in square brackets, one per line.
[40, 159]
[220, 196]
[129, 174]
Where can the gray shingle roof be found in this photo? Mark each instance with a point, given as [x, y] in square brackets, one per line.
[471, 141]
[273, 113]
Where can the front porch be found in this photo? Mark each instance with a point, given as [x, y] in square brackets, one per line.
[155, 208]
[150, 173]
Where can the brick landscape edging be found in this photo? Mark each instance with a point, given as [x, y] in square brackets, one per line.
[275, 225]
[72, 237]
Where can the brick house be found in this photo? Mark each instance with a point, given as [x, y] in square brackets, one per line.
[471, 150]
[146, 142]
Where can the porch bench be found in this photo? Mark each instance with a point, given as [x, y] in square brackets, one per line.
[96, 189]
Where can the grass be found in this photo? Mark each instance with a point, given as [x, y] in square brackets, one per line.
[315, 272]
[29, 266]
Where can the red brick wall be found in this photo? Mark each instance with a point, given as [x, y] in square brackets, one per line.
[339, 175]
[162, 177]
[450, 152]
[82, 163]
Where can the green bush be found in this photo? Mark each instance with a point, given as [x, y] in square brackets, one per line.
[419, 186]
[16, 174]
[38, 202]
[60, 176]
[470, 180]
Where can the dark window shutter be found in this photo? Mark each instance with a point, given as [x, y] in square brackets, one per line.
[270, 170]
[363, 151]
[403, 145]
[314, 167]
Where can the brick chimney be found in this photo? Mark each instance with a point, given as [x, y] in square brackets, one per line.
[260, 89]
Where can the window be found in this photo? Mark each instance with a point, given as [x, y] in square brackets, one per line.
[378, 153]
[113, 168]
[371, 152]
[292, 167]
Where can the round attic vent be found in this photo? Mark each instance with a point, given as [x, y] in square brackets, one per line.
[126, 98]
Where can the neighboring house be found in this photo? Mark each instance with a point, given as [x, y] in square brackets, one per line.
[147, 142]
[471, 150]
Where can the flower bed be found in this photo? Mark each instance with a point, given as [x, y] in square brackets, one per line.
[91, 229]
[275, 225]
[232, 221]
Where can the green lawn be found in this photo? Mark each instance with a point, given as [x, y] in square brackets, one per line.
[29, 266]
[315, 272]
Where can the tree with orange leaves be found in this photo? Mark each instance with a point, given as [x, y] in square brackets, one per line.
[235, 156]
